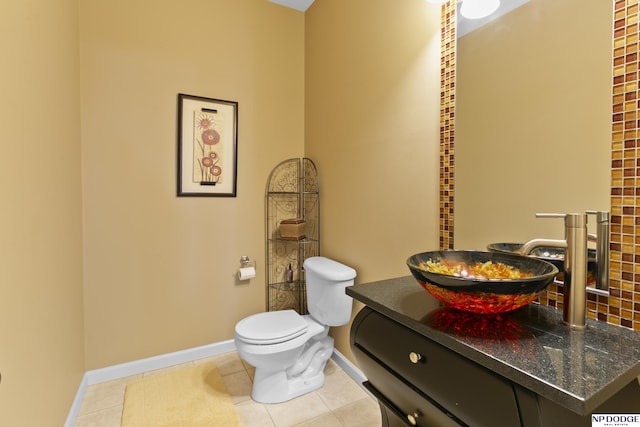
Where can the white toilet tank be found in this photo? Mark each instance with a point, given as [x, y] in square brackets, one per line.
[326, 298]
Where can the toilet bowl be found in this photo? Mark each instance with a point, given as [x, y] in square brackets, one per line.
[289, 350]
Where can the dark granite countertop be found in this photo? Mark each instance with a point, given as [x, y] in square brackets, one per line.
[530, 346]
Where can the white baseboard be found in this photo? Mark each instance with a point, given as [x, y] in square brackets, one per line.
[158, 362]
[77, 402]
[170, 359]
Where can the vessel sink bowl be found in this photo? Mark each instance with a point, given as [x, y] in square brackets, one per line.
[479, 294]
[553, 255]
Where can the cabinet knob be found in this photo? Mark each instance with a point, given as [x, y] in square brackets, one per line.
[413, 418]
[415, 357]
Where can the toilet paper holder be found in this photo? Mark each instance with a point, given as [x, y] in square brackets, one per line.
[246, 262]
[247, 268]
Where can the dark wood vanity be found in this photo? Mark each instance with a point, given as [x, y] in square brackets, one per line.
[432, 366]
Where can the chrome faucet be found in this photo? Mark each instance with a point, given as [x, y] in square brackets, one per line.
[602, 248]
[575, 265]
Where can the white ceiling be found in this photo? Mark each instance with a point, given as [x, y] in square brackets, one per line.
[465, 25]
[300, 5]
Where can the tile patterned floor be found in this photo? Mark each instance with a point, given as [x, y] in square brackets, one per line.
[340, 402]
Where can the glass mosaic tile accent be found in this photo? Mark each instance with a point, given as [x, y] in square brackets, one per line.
[447, 121]
[622, 307]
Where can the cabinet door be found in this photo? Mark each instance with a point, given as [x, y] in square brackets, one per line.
[468, 391]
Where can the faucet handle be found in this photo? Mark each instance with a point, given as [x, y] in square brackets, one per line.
[602, 240]
[550, 215]
[570, 219]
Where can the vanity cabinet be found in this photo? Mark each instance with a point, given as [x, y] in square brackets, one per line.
[292, 196]
[425, 383]
[547, 375]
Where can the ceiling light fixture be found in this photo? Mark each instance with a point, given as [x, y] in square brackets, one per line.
[475, 9]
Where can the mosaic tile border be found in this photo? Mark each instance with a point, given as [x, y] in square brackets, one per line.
[622, 306]
[447, 121]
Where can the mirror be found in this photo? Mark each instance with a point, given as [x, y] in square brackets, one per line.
[532, 121]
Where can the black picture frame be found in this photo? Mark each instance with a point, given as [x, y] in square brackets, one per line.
[207, 147]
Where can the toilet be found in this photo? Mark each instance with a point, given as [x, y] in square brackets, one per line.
[289, 350]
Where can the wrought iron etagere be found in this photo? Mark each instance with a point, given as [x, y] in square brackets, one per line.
[293, 191]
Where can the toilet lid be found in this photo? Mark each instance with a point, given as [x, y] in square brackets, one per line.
[271, 327]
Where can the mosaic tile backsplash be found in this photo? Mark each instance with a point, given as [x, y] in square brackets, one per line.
[622, 306]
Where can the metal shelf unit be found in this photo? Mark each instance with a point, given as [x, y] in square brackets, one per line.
[293, 191]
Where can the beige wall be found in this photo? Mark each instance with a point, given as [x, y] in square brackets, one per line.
[541, 143]
[41, 324]
[160, 271]
[102, 262]
[372, 108]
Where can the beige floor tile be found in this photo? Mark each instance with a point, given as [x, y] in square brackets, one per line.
[163, 371]
[331, 367]
[105, 395]
[238, 386]
[102, 404]
[253, 414]
[363, 413]
[250, 369]
[327, 420]
[298, 410]
[111, 417]
[340, 390]
[227, 363]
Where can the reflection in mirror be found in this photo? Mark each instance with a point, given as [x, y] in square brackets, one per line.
[465, 24]
[533, 121]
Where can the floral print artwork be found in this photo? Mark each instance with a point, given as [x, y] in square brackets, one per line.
[207, 149]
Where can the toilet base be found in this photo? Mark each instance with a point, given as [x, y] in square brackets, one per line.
[276, 389]
[280, 386]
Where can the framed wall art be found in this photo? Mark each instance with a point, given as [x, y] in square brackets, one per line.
[207, 146]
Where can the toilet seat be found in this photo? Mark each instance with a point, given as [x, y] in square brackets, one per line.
[272, 327]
